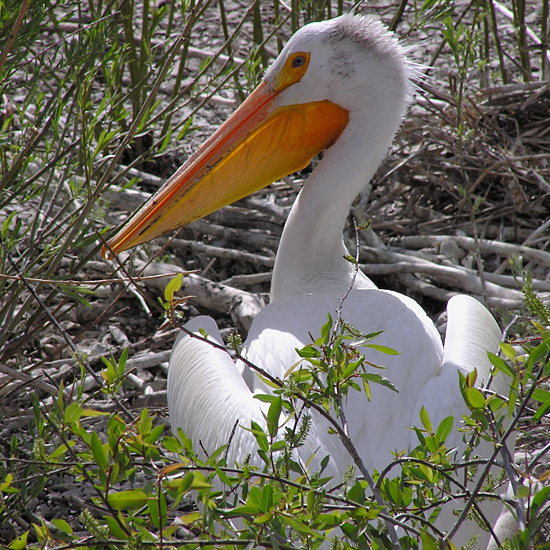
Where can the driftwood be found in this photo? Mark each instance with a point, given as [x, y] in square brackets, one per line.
[251, 236]
[220, 252]
[467, 280]
[147, 360]
[440, 266]
[243, 306]
[245, 280]
[484, 246]
[13, 374]
[449, 274]
[443, 295]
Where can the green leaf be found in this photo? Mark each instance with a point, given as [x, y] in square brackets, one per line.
[186, 482]
[432, 444]
[172, 287]
[357, 493]
[329, 521]
[326, 329]
[538, 353]
[267, 498]
[420, 435]
[115, 528]
[20, 543]
[299, 526]
[308, 352]
[273, 416]
[268, 382]
[171, 444]
[351, 368]
[350, 259]
[42, 531]
[383, 349]
[109, 374]
[145, 422]
[265, 398]
[72, 413]
[98, 452]
[187, 519]
[63, 526]
[127, 500]
[379, 379]
[263, 518]
[428, 542]
[541, 411]
[541, 395]
[121, 367]
[475, 398]
[303, 375]
[7, 482]
[278, 446]
[540, 498]
[75, 292]
[500, 364]
[425, 419]
[212, 459]
[246, 510]
[91, 413]
[366, 387]
[507, 349]
[292, 368]
[157, 510]
[61, 450]
[471, 378]
[444, 429]
[221, 475]
[200, 483]
[260, 436]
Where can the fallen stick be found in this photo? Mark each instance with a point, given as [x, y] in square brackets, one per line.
[484, 246]
[245, 280]
[443, 295]
[441, 271]
[241, 305]
[249, 236]
[468, 282]
[220, 252]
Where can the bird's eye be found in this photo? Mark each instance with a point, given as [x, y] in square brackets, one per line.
[298, 61]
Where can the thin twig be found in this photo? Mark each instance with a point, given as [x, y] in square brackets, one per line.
[91, 282]
[13, 34]
[61, 330]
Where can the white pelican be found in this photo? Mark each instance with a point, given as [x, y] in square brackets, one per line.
[340, 86]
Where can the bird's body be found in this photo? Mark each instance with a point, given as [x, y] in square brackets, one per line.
[287, 325]
[208, 394]
[378, 427]
[342, 86]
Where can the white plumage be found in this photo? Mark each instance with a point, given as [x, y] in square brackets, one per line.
[207, 394]
[353, 72]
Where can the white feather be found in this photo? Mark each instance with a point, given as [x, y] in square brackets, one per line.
[207, 395]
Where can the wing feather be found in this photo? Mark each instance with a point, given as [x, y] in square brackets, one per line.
[207, 395]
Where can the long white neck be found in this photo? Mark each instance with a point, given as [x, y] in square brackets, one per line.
[311, 253]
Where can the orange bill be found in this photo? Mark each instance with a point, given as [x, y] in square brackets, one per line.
[257, 145]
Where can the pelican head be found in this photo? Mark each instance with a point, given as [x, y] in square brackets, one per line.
[351, 61]
[345, 81]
